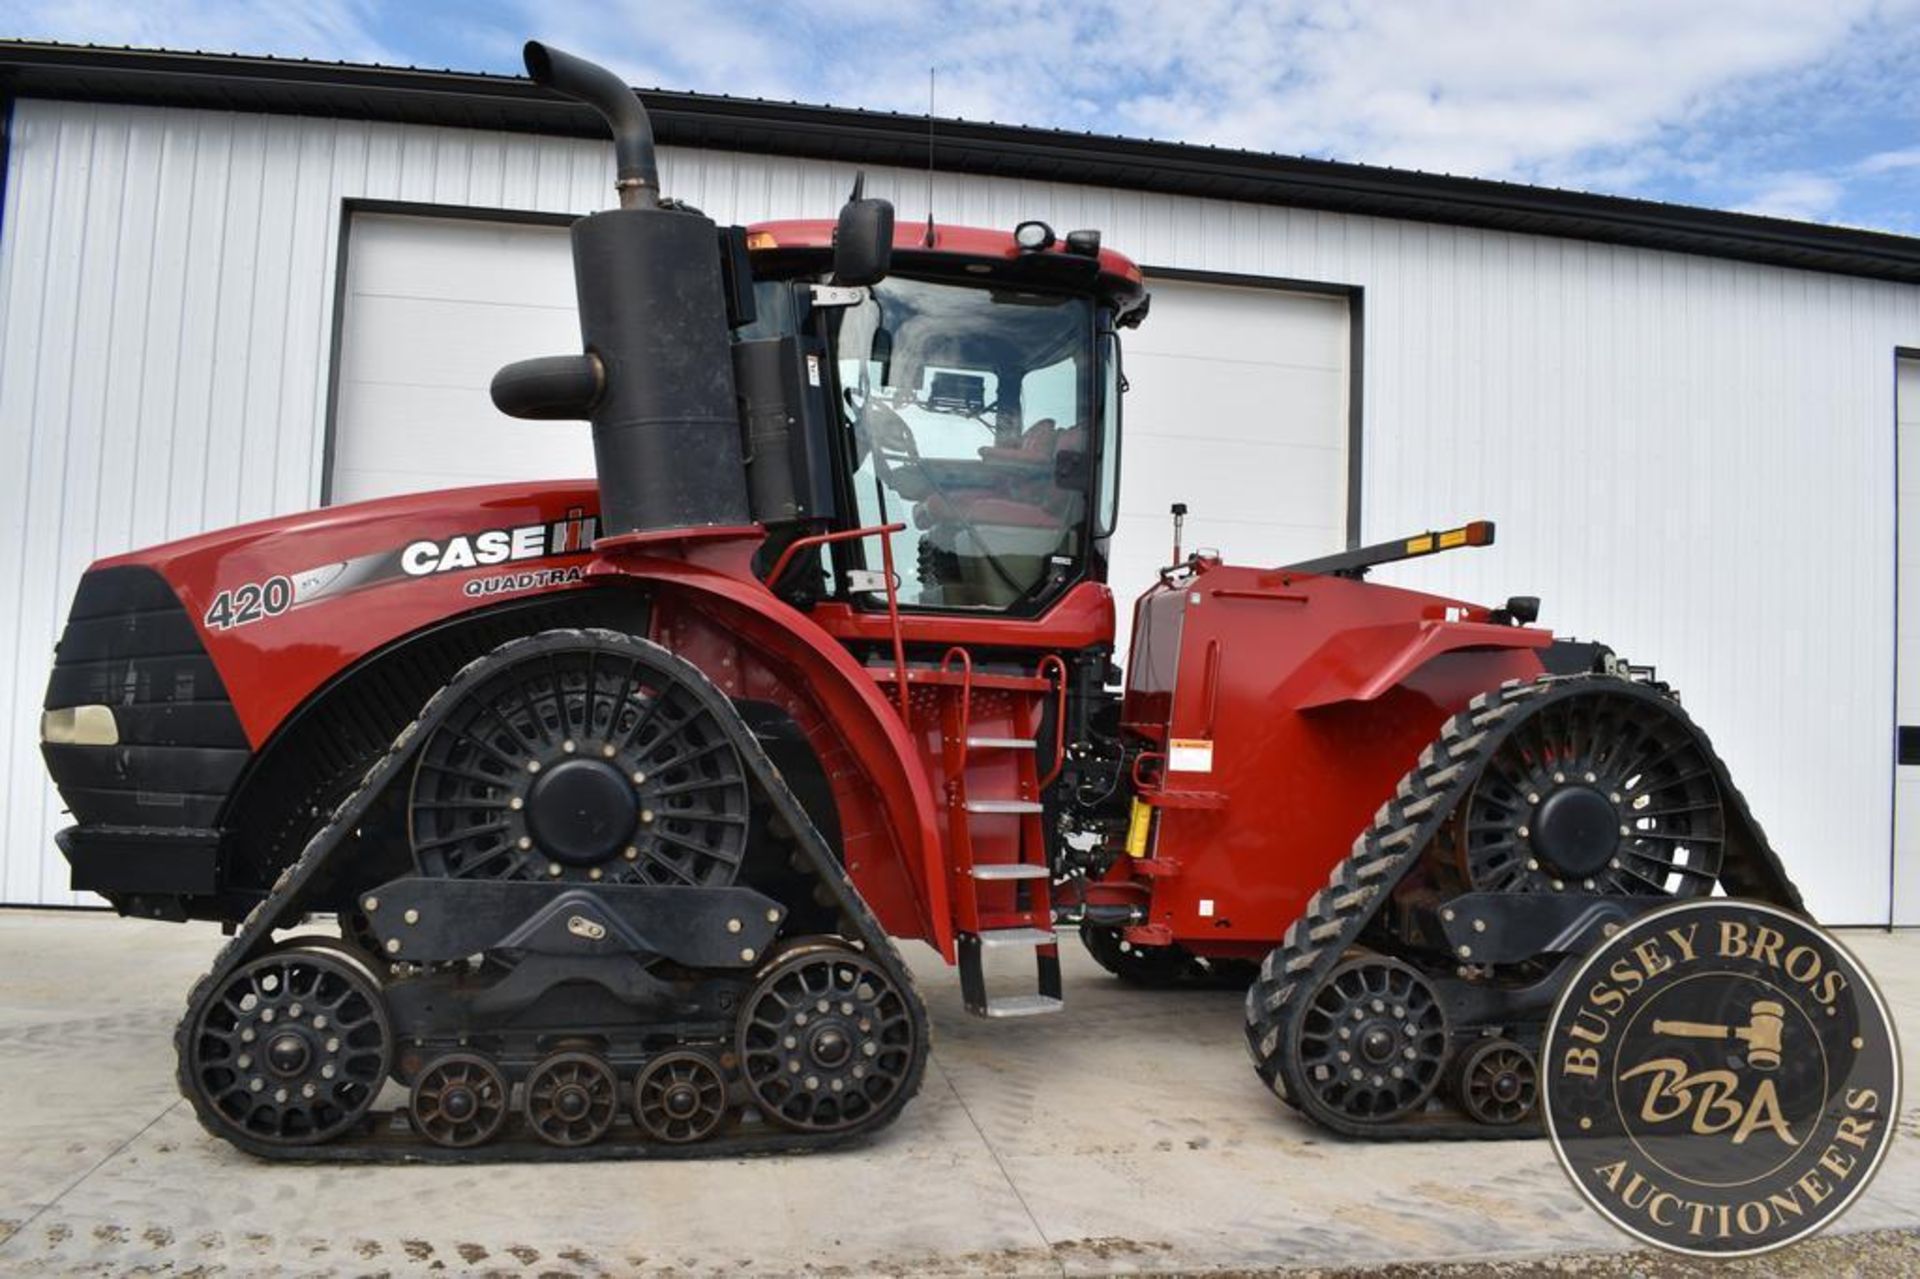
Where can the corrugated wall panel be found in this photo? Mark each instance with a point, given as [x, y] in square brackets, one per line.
[1688, 458]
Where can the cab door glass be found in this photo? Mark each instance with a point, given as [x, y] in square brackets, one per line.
[969, 411]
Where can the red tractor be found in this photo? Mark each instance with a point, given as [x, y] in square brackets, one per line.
[621, 790]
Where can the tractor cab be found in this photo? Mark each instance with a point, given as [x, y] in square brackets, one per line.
[970, 383]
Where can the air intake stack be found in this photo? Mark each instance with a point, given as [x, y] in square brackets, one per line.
[656, 378]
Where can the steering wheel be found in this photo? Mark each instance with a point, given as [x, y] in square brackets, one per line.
[896, 454]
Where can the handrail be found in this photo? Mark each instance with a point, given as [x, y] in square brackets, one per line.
[966, 687]
[885, 533]
[1059, 718]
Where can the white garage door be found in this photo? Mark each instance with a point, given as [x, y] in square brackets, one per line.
[433, 308]
[1238, 406]
[1906, 793]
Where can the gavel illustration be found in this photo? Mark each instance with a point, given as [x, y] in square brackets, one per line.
[1761, 1033]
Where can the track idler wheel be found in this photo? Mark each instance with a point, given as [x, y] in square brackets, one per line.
[1370, 1042]
[571, 1099]
[1150, 966]
[290, 1049]
[679, 1098]
[1496, 1082]
[459, 1100]
[826, 1041]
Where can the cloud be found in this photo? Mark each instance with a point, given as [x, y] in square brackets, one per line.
[1471, 86]
[322, 29]
[1803, 196]
[1890, 161]
[1782, 105]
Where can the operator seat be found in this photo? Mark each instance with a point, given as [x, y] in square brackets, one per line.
[995, 541]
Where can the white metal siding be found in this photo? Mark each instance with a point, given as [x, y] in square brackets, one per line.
[1691, 459]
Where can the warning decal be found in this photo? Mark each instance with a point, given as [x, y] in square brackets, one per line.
[1189, 755]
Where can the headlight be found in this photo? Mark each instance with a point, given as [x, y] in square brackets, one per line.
[79, 726]
[1033, 236]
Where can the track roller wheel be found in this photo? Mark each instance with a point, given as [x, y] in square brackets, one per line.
[826, 1040]
[459, 1100]
[1370, 1041]
[679, 1098]
[571, 1099]
[291, 1049]
[1496, 1082]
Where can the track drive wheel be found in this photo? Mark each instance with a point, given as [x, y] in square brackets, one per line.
[1368, 1043]
[1496, 1082]
[679, 1098]
[290, 1049]
[571, 1099]
[459, 1100]
[1603, 791]
[826, 1040]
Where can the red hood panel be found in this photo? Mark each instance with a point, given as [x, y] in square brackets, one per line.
[284, 604]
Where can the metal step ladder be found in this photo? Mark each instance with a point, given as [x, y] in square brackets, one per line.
[1002, 891]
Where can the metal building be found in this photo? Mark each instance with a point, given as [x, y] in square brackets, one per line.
[235, 287]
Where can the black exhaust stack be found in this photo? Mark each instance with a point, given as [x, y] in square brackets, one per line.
[656, 380]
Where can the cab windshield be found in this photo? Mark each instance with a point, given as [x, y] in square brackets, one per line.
[970, 412]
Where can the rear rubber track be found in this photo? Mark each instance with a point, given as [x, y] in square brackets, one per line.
[384, 1137]
[1401, 831]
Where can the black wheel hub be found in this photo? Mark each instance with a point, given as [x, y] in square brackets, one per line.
[288, 1054]
[581, 812]
[595, 762]
[826, 1041]
[1372, 1041]
[1577, 829]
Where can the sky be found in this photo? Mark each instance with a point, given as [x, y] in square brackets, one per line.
[1806, 109]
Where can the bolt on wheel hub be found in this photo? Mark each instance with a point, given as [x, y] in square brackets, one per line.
[288, 1054]
[1577, 830]
[1378, 1043]
[581, 812]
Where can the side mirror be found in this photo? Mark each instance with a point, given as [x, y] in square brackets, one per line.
[863, 239]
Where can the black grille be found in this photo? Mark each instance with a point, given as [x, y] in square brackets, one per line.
[129, 644]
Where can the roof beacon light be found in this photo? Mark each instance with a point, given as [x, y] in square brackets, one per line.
[1084, 243]
[1032, 237]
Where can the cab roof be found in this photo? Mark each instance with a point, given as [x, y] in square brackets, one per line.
[980, 250]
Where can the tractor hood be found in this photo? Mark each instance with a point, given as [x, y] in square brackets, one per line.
[280, 605]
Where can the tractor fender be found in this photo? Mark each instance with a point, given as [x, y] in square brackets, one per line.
[811, 667]
[1361, 664]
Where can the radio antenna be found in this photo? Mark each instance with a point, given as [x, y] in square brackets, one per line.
[930, 84]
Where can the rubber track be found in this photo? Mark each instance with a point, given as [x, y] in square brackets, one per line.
[379, 1142]
[1393, 845]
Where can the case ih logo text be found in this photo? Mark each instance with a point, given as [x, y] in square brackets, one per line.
[571, 536]
[1720, 1078]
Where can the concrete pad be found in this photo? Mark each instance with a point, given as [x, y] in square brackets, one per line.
[1128, 1134]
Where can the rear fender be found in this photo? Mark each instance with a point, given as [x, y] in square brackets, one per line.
[754, 646]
